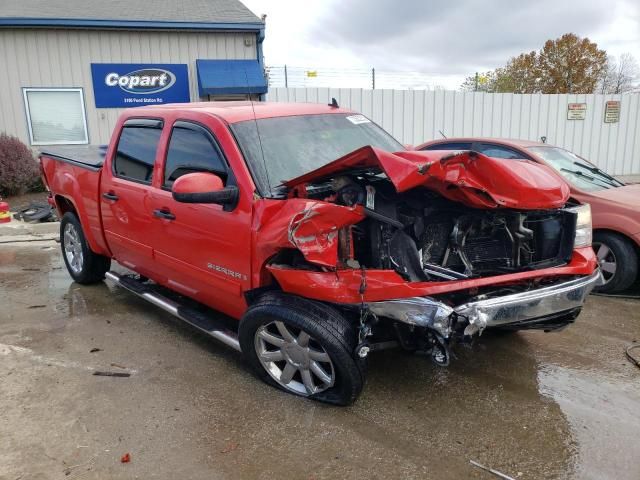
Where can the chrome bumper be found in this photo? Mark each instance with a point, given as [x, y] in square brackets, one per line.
[512, 310]
[520, 308]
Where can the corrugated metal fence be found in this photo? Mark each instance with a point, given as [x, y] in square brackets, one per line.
[415, 116]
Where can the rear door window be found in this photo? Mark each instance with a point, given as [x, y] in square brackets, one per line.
[136, 152]
[449, 146]
[192, 148]
[500, 151]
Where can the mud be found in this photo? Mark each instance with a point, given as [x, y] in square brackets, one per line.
[532, 405]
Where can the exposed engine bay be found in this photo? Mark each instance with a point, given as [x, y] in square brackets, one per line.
[428, 251]
[425, 237]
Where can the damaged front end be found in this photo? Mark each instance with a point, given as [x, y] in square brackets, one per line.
[439, 247]
[548, 308]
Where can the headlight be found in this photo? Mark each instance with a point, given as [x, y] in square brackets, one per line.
[583, 225]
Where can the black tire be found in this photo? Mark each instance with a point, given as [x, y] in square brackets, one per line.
[327, 327]
[625, 257]
[34, 213]
[91, 267]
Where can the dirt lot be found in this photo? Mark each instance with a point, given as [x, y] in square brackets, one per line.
[532, 405]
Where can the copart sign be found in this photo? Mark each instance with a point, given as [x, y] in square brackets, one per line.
[132, 85]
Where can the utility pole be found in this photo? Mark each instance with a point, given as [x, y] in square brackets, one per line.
[476, 82]
[373, 78]
[286, 78]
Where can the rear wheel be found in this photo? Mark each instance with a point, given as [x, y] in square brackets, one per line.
[618, 261]
[84, 266]
[303, 347]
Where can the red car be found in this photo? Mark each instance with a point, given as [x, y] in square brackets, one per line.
[615, 207]
[320, 236]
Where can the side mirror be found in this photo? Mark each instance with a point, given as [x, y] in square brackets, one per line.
[203, 187]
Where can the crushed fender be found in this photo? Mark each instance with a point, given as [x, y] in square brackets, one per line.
[310, 226]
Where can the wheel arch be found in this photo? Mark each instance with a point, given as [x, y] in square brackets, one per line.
[625, 272]
[93, 234]
[64, 205]
[630, 238]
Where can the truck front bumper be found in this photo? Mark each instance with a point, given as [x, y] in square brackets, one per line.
[548, 308]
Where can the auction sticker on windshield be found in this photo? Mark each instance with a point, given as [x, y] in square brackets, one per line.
[358, 119]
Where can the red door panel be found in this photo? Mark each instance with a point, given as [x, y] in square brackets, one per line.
[204, 252]
[125, 203]
[127, 222]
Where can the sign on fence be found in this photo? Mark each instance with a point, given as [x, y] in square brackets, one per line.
[612, 111]
[576, 111]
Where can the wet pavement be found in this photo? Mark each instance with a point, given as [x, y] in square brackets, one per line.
[531, 405]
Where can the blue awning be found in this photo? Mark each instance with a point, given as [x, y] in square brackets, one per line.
[225, 77]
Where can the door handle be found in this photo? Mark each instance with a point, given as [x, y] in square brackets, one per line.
[110, 196]
[166, 214]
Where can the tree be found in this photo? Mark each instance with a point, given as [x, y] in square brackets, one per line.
[514, 77]
[570, 64]
[480, 82]
[520, 75]
[620, 76]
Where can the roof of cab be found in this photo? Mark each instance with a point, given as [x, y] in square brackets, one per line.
[234, 112]
[514, 142]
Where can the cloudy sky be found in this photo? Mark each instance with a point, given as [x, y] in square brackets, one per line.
[447, 39]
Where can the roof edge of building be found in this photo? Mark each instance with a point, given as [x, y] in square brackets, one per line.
[141, 24]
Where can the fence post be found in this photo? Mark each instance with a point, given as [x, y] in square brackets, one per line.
[286, 79]
[373, 78]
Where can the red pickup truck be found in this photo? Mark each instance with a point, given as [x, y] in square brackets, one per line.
[321, 234]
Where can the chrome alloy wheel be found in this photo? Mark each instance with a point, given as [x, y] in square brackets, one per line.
[73, 248]
[607, 261]
[294, 359]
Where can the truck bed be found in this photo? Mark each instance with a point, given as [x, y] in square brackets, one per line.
[73, 176]
[85, 156]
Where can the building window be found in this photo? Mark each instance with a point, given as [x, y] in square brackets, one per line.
[56, 116]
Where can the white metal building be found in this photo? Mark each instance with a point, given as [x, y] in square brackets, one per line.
[70, 66]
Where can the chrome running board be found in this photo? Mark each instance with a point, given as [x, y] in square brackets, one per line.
[194, 318]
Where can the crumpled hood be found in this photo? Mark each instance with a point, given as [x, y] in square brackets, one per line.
[466, 177]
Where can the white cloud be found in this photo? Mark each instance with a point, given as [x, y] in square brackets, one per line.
[447, 40]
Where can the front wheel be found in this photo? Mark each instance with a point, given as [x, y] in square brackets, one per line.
[618, 261]
[84, 266]
[303, 347]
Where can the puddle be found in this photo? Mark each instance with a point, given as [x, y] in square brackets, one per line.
[603, 416]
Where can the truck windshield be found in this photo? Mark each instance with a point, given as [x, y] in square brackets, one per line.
[576, 170]
[282, 148]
